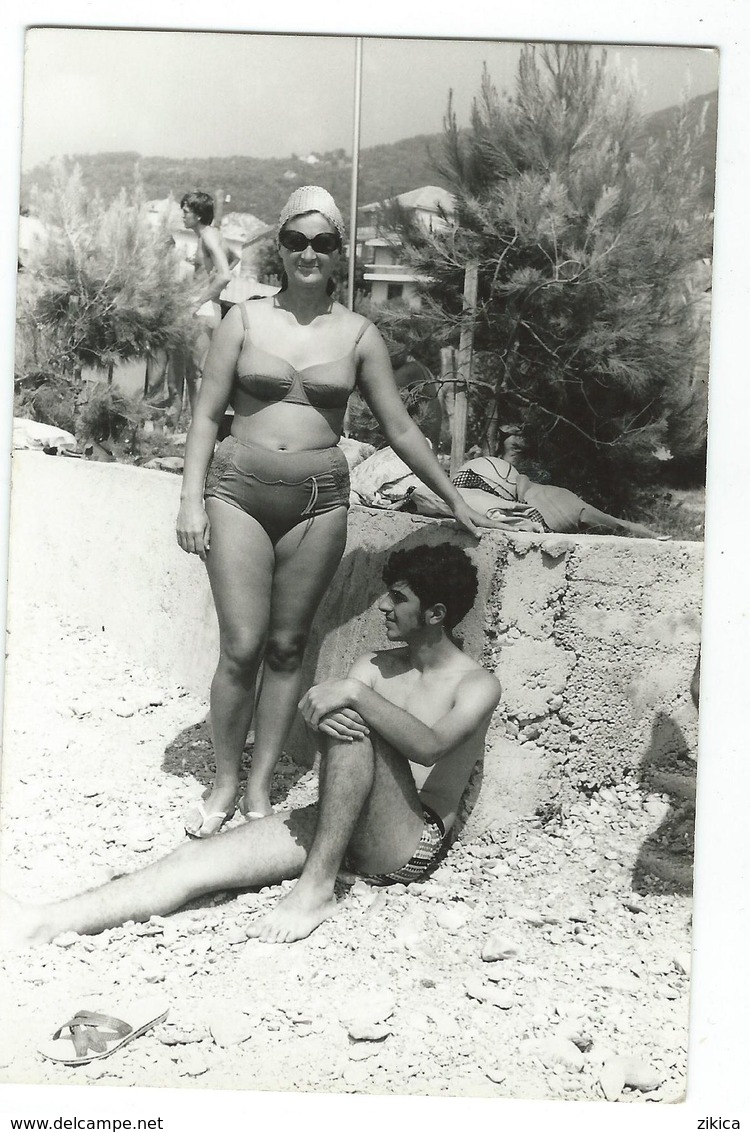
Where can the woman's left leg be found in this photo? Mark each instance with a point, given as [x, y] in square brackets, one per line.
[306, 560]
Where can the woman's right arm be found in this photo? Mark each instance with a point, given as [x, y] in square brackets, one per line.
[193, 528]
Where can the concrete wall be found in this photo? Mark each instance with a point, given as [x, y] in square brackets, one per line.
[594, 639]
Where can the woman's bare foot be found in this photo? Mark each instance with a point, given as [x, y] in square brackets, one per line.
[255, 809]
[255, 802]
[21, 925]
[295, 916]
[215, 809]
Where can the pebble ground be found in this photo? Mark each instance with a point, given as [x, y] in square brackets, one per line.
[543, 961]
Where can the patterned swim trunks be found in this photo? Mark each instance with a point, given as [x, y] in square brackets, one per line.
[432, 845]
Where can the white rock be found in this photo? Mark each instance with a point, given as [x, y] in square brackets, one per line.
[410, 928]
[621, 981]
[355, 1075]
[569, 1009]
[612, 1080]
[498, 947]
[192, 1063]
[66, 939]
[683, 962]
[235, 934]
[477, 989]
[503, 1000]
[521, 912]
[368, 1031]
[362, 1051]
[638, 1073]
[367, 1007]
[233, 1028]
[451, 919]
[559, 1051]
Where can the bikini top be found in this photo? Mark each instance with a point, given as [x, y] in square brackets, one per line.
[267, 377]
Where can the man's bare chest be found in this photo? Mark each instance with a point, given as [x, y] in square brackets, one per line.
[425, 696]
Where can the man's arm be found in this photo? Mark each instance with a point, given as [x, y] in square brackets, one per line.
[476, 698]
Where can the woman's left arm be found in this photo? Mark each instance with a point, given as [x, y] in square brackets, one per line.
[378, 387]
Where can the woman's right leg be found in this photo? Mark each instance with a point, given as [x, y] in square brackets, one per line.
[240, 567]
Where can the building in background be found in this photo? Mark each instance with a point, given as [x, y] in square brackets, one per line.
[379, 248]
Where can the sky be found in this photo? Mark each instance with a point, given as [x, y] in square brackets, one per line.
[199, 94]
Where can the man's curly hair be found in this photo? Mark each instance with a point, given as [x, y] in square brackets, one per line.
[442, 573]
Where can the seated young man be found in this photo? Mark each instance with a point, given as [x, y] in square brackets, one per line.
[400, 736]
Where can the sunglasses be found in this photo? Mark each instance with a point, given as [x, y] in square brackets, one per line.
[325, 243]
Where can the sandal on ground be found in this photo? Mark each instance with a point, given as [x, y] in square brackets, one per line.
[91, 1034]
[212, 822]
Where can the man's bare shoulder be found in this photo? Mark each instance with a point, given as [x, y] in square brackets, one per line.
[381, 664]
[480, 681]
[393, 662]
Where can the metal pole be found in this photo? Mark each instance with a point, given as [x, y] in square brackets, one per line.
[355, 169]
[465, 349]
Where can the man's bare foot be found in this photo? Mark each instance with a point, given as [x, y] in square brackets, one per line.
[21, 925]
[294, 917]
[215, 809]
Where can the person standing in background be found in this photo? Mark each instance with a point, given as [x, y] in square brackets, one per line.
[214, 261]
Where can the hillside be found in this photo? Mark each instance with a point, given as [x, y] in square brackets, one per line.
[256, 185]
[261, 185]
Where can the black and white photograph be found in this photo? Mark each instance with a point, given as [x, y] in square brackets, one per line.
[362, 496]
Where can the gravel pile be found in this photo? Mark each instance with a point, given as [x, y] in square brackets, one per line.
[529, 965]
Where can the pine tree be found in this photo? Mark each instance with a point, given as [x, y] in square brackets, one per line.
[105, 290]
[585, 234]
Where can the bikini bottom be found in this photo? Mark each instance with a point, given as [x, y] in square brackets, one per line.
[278, 489]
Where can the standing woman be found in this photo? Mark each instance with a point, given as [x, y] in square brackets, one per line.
[272, 505]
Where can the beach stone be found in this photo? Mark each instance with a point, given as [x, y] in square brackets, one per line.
[569, 1009]
[451, 919]
[683, 962]
[150, 928]
[520, 912]
[368, 1007]
[612, 1080]
[66, 939]
[192, 1063]
[368, 1031]
[410, 929]
[362, 1051]
[498, 947]
[559, 1051]
[620, 981]
[477, 989]
[175, 1034]
[235, 934]
[638, 1073]
[503, 1000]
[152, 973]
[232, 1029]
[355, 1075]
